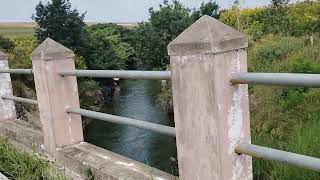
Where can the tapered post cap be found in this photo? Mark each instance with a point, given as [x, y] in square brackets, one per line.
[207, 35]
[51, 50]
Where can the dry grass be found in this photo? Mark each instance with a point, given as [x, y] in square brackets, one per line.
[14, 30]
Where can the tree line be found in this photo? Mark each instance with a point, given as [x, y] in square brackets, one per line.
[109, 46]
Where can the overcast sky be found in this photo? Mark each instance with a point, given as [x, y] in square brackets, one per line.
[105, 10]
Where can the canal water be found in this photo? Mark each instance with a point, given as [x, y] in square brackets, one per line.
[136, 99]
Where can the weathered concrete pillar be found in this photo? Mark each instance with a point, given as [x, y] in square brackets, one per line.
[7, 108]
[211, 115]
[55, 93]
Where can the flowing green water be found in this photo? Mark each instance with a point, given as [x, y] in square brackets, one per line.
[136, 99]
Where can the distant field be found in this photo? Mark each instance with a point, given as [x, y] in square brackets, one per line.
[14, 30]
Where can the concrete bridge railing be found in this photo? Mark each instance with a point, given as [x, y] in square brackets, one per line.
[210, 94]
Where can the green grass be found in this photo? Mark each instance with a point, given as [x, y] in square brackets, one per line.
[19, 165]
[285, 118]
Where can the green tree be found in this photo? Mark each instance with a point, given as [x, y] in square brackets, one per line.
[280, 3]
[165, 24]
[210, 8]
[276, 18]
[105, 47]
[58, 21]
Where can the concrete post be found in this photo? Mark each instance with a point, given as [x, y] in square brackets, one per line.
[7, 108]
[211, 115]
[55, 93]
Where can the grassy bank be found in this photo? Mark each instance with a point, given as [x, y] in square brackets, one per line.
[20, 165]
[285, 118]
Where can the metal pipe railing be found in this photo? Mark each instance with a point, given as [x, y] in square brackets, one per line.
[277, 79]
[298, 160]
[16, 71]
[125, 121]
[19, 99]
[119, 74]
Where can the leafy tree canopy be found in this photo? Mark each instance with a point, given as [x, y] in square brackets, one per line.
[106, 48]
[280, 3]
[58, 21]
[210, 8]
[165, 24]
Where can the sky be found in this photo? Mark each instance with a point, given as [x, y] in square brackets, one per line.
[105, 10]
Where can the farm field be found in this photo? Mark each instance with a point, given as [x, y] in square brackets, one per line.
[17, 29]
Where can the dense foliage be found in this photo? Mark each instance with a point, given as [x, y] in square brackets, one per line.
[164, 25]
[58, 21]
[20, 54]
[301, 18]
[5, 44]
[106, 47]
[210, 8]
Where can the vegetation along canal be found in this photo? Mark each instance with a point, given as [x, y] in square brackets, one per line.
[136, 99]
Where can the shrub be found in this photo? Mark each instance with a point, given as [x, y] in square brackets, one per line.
[293, 96]
[255, 30]
[302, 65]
[273, 48]
[20, 55]
[6, 44]
[247, 17]
[19, 58]
[80, 62]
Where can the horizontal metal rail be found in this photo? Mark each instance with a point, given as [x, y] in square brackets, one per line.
[298, 160]
[122, 120]
[16, 71]
[119, 74]
[19, 99]
[278, 79]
